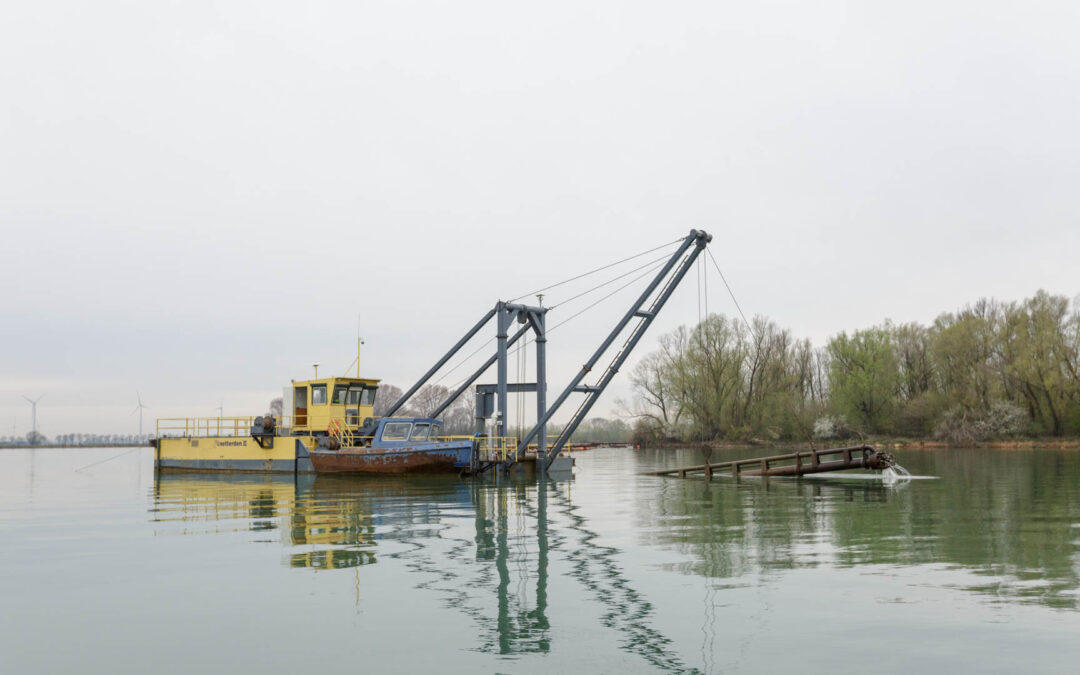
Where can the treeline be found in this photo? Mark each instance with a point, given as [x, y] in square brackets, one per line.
[989, 370]
[73, 440]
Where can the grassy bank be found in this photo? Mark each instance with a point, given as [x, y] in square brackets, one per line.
[1069, 443]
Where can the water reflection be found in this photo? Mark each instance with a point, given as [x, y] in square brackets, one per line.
[218, 503]
[1001, 527]
[1011, 517]
[468, 540]
[626, 610]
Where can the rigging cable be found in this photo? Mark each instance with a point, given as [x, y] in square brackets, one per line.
[705, 275]
[632, 281]
[464, 361]
[752, 332]
[579, 313]
[651, 265]
[598, 269]
[791, 409]
[697, 274]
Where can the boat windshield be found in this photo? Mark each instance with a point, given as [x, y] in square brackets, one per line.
[369, 396]
[420, 432]
[318, 394]
[396, 431]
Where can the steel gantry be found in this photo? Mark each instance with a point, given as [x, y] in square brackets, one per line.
[492, 398]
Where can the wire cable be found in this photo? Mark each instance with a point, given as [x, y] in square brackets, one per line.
[609, 281]
[706, 279]
[629, 283]
[728, 287]
[649, 266]
[697, 273]
[463, 361]
[598, 269]
[576, 314]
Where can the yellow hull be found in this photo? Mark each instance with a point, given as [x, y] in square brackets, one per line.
[234, 453]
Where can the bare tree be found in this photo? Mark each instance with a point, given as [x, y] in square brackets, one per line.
[460, 417]
[387, 396]
[427, 400]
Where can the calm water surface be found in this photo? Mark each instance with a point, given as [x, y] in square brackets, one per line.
[111, 569]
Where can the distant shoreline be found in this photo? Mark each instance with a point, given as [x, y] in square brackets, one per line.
[1071, 443]
[26, 446]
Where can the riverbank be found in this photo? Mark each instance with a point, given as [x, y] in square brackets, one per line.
[1072, 443]
[87, 446]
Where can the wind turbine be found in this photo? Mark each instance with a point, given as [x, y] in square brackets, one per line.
[221, 409]
[139, 409]
[33, 405]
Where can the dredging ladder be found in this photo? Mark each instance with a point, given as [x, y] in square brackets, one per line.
[797, 463]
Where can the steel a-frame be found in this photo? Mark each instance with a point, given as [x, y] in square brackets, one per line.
[492, 398]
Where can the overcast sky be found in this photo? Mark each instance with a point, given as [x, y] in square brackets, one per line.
[198, 199]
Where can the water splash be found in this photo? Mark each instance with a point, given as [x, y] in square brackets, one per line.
[895, 474]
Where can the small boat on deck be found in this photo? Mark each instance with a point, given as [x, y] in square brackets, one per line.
[395, 445]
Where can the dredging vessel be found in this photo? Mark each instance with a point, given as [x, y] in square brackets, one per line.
[328, 425]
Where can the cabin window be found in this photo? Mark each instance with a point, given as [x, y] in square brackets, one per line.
[420, 432]
[396, 431]
[368, 397]
[354, 395]
[318, 394]
[300, 406]
[339, 394]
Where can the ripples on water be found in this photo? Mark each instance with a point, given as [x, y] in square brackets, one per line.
[609, 572]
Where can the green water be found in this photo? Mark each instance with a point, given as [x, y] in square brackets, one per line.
[109, 570]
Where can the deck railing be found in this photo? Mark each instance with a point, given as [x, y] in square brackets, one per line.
[202, 427]
[491, 448]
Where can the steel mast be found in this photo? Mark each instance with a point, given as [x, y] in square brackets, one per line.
[674, 271]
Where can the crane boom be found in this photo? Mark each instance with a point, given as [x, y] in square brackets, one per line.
[674, 271]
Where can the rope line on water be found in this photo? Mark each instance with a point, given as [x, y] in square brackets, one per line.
[109, 459]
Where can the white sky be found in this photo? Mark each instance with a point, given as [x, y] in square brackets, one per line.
[197, 199]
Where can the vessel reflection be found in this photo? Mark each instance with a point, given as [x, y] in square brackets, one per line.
[483, 546]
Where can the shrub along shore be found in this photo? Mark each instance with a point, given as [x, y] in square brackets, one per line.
[996, 373]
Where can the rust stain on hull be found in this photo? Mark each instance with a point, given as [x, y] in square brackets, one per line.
[348, 460]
